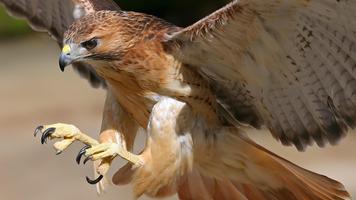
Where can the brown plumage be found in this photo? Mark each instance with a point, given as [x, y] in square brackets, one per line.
[284, 65]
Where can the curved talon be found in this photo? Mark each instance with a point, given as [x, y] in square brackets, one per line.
[95, 181]
[46, 134]
[81, 153]
[38, 130]
[87, 159]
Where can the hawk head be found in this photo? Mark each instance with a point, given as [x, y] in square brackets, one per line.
[101, 36]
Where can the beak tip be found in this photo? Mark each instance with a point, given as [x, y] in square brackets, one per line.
[64, 61]
[61, 67]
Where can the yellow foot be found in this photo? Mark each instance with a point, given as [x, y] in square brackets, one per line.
[106, 152]
[111, 150]
[66, 132]
[93, 150]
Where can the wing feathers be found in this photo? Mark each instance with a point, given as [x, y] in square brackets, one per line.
[291, 56]
[52, 16]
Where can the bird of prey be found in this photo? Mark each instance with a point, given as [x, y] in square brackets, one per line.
[288, 66]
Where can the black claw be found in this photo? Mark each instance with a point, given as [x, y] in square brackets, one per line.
[81, 153]
[87, 159]
[46, 134]
[58, 153]
[97, 180]
[38, 130]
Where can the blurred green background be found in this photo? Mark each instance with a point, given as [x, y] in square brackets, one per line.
[10, 26]
[180, 12]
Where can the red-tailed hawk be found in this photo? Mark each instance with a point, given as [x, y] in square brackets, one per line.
[288, 66]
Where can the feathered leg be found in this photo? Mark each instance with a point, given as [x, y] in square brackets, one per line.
[164, 159]
[118, 128]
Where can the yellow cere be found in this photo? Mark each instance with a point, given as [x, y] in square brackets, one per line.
[66, 49]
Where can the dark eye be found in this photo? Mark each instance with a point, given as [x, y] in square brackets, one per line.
[90, 44]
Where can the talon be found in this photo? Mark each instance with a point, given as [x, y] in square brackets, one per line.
[58, 152]
[46, 134]
[38, 130]
[87, 159]
[97, 180]
[81, 153]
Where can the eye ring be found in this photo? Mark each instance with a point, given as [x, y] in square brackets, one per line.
[90, 44]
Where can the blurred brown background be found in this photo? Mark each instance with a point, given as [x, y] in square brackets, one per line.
[34, 92]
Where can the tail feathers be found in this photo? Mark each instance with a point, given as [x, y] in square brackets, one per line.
[264, 176]
[260, 174]
[195, 186]
[314, 185]
[300, 183]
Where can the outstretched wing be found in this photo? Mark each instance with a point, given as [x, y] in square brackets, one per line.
[55, 16]
[289, 65]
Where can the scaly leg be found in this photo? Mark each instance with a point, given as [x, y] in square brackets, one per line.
[69, 133]
[116, 139]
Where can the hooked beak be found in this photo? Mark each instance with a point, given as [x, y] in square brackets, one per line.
[65, 58]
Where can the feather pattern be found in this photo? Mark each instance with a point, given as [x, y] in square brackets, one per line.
[285, 64]
[295, 62]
